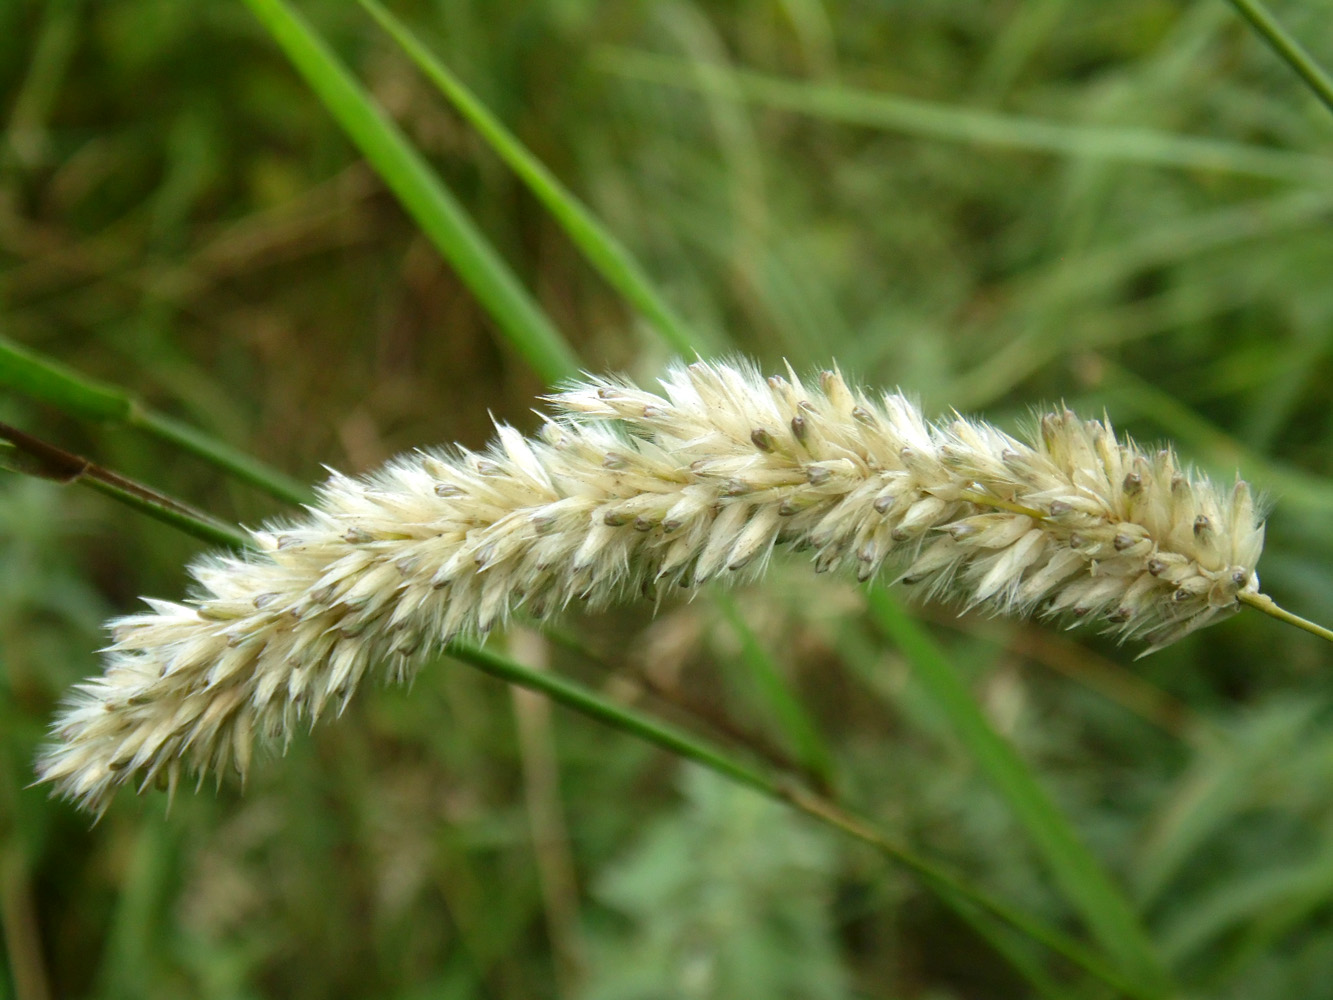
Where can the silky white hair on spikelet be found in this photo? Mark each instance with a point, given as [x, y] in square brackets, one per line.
[625, 489]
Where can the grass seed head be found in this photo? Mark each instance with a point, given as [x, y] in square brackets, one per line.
[625, 489]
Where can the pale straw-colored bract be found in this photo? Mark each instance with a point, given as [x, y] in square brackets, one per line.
[626, 490]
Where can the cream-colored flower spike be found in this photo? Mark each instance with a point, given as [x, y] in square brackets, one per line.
[626, 489]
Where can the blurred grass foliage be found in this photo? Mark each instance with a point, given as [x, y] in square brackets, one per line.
[990, 205]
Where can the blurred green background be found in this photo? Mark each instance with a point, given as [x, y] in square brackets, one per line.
[1126, 207]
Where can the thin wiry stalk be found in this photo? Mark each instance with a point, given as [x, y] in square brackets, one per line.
[1264, 603]
[625, 491]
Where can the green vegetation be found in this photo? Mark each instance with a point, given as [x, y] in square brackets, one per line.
[242, 239]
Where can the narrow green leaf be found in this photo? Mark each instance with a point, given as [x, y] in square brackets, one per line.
[421, 193]
[960, 124]
[1288, 48]
[600, 248]
[1080, 877]
[27, 372]
[51, 382]
[799, 729]
[135, 922]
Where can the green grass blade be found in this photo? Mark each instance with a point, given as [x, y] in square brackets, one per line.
[1085, 884]
[51, 382]
[683, 744]
[421, 193]
[140, 910]
[958, 124]
[204, 528]
[1290, 50]
[600, 248]
[802, 735]
[33, 375]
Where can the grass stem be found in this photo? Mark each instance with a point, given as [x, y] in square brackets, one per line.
[1268, 606]
[1291, 51]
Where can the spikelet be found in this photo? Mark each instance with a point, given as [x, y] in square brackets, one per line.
[627, 489]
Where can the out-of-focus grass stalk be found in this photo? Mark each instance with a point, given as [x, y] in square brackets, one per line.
[1291, 51]
[601, 249]
[954, 124]
[421, 193]
[800, 730]
[1085, 884]
[27, 372]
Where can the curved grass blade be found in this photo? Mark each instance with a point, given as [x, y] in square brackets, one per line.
[600, 248]
[41, 378]
[958, 124]
[421, 193]
[1104, 908]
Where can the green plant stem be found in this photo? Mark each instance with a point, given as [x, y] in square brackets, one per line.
[1264, 603]
[44, 379]
[206, 529]
[242, 466]
[1290, 50]
[34, 457]
[579, 699]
